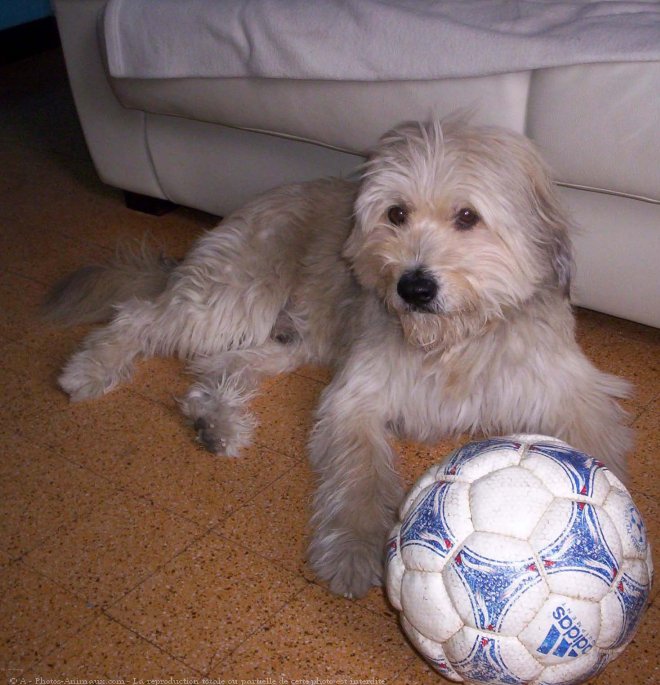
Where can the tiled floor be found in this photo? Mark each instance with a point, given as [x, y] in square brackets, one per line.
[126, 550]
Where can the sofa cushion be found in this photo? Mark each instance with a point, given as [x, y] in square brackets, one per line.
[370, 40]
[345, 115]
[595, 123]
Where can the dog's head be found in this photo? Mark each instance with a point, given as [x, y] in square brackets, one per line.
[457, 225]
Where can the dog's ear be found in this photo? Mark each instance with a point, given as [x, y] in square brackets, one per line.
[352, 245]
[561, 257]
[553, 231]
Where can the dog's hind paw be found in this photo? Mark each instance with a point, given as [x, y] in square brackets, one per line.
[85, 379]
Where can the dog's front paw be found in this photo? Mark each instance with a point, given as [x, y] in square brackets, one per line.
[221, 427]
[83, 378]
[351, 566]
[221, 436]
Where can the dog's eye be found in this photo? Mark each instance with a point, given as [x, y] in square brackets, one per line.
[466, 218]
[397, 215]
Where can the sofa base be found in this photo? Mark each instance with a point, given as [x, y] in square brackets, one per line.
[147, 204]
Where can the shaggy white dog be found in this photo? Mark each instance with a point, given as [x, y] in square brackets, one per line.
[438, 289]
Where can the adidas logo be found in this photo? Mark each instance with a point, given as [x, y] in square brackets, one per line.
[565, 637]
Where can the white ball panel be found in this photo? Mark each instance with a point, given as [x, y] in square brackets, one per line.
[431, 651]
[579, 548]
[614, 481]
[510, 502]
[628, 522]
[533, 438]
[478, 656]
[562, 630]
[437, 523]
[612, 620]
[476, 459]
[427, 605]
[579, 670]
[622, 608]
[394, 568]
[494, 584]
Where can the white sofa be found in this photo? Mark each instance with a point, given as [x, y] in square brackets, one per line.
[206, 102]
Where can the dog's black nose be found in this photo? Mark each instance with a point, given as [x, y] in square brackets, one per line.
[417, 288]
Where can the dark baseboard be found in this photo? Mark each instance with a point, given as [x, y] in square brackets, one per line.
[147, 204]
[28, 39]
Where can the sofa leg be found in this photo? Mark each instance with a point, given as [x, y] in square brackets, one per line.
[147, 204]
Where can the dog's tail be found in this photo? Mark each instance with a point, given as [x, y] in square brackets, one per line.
[90, 294]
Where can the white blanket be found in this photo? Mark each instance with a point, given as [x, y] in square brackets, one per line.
[371, 40]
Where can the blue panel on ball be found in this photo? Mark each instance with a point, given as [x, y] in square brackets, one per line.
[580, 468]
[492, 585]
[484, 664]
[581, 547]
[426, 525]
[632, 597]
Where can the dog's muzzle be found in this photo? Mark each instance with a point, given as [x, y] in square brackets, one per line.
[418, 289]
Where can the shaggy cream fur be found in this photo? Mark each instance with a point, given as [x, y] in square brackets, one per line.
[438, 289]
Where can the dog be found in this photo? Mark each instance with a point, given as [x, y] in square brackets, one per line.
[437, 286]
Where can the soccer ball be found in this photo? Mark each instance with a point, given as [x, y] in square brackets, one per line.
[519, 560]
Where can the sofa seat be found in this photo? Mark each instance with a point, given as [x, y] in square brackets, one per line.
[293, 95]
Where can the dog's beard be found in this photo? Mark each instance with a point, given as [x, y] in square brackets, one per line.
[438, 330]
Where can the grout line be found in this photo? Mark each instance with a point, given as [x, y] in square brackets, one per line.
[67, 591]
[249, 500]
[151, 642]
[60, 645]
[25, 277]
[310, 378]
[59, 529]
[231, 651]
[108, 607]
[191, 542]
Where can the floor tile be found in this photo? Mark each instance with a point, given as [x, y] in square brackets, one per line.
[320, 636]
[150, 450]
[30, 384]
[647, 429]
[162, 379]
[102, 434]
[278, 516]
[49, 255]
[106, 649]
[322, 374]
[285, 411]
[40, 494]
[36, 617]
[112, 549]
[416, 459]
[207, 601]
[632, 354]
[644, 475]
